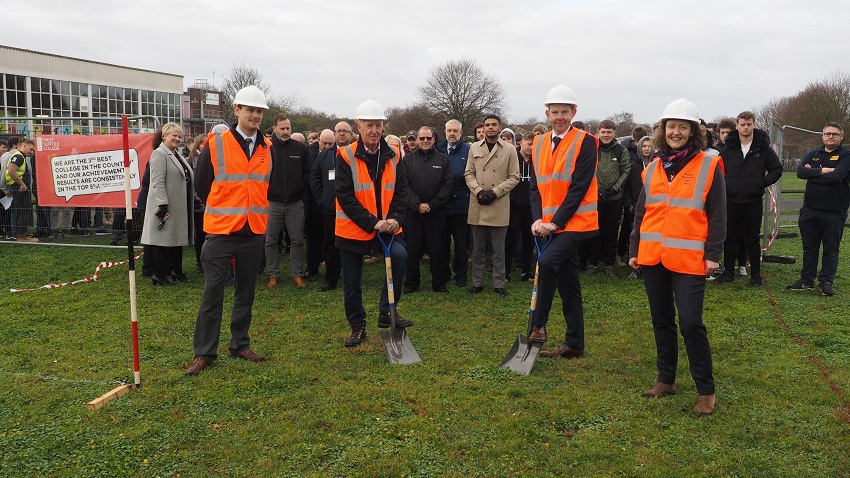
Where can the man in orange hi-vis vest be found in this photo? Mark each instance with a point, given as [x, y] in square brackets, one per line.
[232, 179]
[563, 206]
[368, 203]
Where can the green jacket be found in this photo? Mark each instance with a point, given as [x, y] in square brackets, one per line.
[613, 168]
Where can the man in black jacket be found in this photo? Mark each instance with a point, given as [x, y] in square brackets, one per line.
[751, 165]
[429, 186]
[824, 212]
[287, 189]
[322, 176]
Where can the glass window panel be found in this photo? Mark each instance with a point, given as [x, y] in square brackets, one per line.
[66, 87]
[35, 84]
[55, 86]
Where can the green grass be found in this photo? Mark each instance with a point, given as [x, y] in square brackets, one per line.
[317, 409]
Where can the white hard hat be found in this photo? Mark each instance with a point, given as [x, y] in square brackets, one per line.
[681, 109]
[370, 110]
[561, 94]
[251, 96]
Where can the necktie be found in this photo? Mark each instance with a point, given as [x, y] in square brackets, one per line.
[555, 142]
[248, 142]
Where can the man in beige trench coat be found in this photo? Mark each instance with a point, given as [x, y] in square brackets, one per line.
[492, 170]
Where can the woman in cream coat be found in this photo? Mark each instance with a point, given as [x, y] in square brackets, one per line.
[168, 222]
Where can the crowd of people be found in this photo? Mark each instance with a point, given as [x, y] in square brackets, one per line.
[672, 203]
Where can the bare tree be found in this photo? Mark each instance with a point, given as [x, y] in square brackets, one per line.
[625, 123]
[402, 120]
[461, 90]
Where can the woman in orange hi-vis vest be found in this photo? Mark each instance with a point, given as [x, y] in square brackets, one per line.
[678, 234]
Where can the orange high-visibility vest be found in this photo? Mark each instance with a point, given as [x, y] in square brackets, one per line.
[674, 230]
[364, 191]
[239, 192]
[554, 171]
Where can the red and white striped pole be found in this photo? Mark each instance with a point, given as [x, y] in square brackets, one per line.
[128, 203]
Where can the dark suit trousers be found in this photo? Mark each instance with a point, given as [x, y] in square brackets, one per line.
[215, 258]
[559, 269]
[458, 232]
[743, 223]
[333, 266]
[313, 234]
[667, 292]
[421, 231]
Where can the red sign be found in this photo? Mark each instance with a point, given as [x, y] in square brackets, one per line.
[88, 171]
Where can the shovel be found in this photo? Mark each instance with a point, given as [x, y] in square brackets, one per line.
[396, 342]
[521, 356]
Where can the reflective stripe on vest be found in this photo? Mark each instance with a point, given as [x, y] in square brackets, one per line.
[239, 191]
[554, 172]
[364, 192]
[674, 229]
[21, 169]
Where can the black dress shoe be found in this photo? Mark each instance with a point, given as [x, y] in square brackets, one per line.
[182, 277]
[460, 282]
[501, 292]
[310, 275]
[326, 287]
[157, 280]
[475, 289]
[410, 290]
[441, 289]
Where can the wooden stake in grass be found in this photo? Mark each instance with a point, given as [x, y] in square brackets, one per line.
[106, 397]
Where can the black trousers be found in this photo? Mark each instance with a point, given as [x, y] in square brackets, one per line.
[826, 228]
[215, 258]
[559, 269]
[313, 234]
[458, 233]
[610, 215]
[421, 230]
[743, 222]
[667, 292]
[200, 236]
[167, 260]
[519, 243]
[333, 266]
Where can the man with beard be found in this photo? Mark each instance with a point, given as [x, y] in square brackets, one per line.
[492, 170]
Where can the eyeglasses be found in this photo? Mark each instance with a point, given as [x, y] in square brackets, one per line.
[828, 135]
[343, 131]
[426, 138]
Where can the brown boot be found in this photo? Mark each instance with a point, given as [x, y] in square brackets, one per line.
[538, 334]
[705, 404]
[273, 282]
[660, 389]
[198, 365]
[564, 351]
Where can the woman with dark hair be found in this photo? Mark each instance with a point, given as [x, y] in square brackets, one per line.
[679, 229]
[168, 222]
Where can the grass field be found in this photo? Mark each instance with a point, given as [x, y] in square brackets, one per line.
[782, 366]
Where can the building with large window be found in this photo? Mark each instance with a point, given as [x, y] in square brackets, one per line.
[36, 89]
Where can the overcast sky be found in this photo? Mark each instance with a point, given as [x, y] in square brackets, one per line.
[619, 55]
